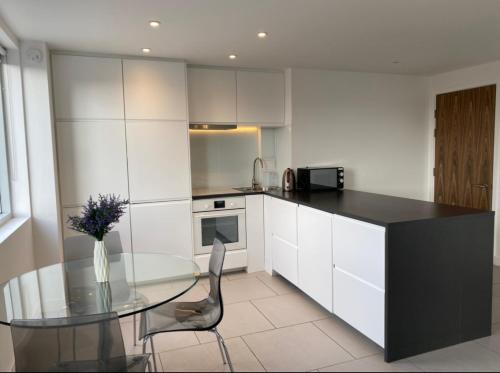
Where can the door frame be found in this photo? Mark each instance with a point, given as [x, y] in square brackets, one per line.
[458, 83]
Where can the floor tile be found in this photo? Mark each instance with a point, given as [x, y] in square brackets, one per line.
[239, 275]
[374, 363]
[469, 356]
[163, 342]
[239, 319]
[290, 309]
[496, 274]
[207, 358]
[350, 339]
[277, 283]
[236, 291]
[496, 311]
[492, 342]
[295, 348]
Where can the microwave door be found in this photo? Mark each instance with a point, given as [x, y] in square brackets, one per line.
[323, 179]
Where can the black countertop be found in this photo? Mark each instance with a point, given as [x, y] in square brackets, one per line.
[370, 207]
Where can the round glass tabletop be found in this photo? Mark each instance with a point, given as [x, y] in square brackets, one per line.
[138, 282]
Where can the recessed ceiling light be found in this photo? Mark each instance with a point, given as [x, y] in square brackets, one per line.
[262, 35]
[146, 50]
[154, 24]
[232, 56]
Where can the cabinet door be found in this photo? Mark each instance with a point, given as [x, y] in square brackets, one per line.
[315, 255]
[162, 228]
[212, 95]
[92, 160]
[268, 265]
[87, 87]
[284, 259]
[155, 90]
[255, 232]
[260, 97]
[284, 220]
[123, 227]
[158, 160]
[360, 304]
[359, 249]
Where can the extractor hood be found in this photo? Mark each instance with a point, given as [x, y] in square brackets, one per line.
[212, 127]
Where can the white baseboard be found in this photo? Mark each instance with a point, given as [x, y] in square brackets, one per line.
[496, 260]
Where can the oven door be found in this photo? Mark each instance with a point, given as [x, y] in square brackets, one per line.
[229, 226]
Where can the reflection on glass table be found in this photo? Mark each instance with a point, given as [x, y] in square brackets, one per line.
[137, 282]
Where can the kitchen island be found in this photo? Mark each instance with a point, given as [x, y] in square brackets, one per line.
[411, 275]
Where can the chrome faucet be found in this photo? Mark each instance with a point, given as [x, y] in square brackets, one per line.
[255, 184]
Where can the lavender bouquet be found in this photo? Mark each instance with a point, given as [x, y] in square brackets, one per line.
[98, 217]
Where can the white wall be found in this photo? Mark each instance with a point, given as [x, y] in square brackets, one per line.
[471, 77]
[223, 158]
[375, 125]
[46, 218]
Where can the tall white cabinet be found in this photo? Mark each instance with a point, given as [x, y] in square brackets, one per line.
[122, 128]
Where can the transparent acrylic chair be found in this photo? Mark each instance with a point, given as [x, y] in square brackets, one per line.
[82, 247]
[91, 343]
[204, 315]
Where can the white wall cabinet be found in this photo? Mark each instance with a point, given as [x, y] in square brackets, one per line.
[158, 160]
[315, 263]
[164, 227]
[212, 95]
[255, 232]
[261, 98]
[92, 160]
[87, 87]
[155, 90]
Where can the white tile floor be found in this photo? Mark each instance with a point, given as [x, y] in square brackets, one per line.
[269, 325]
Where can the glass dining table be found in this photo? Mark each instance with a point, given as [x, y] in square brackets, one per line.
[137, 282]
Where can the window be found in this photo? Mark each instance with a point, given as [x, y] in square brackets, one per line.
[4, 169]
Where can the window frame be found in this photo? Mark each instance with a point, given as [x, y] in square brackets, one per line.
[5, 197]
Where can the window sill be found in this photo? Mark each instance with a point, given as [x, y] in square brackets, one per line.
[10, 227]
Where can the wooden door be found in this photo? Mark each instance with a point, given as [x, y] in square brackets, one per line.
[465, 125]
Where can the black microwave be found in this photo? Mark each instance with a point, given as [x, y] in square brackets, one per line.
[320, 178]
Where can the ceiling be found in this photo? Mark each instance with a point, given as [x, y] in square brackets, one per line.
[424, 36]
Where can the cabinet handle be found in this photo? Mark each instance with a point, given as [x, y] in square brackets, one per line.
[482, 186]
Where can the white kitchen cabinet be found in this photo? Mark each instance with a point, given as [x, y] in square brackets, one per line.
[285, 259]
[87, 87]
[158, 160]
[261, 98]
[268, 259]
[359, 249]
[212, 95]
[255, 232]
[123, 227]
[284, 220]
[164, 227]
[92, 159]
[360, 304]
[315, 265]
[155, 90]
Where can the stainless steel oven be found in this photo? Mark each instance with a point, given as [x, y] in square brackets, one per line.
[223, 218]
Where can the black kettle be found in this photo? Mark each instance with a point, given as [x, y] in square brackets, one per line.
[288, 183]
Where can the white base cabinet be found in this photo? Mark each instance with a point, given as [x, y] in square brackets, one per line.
[360, 304]
[163, 227]
[315, 269]
[255, 232]
[285, 259]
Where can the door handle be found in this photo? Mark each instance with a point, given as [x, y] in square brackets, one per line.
[482, 186]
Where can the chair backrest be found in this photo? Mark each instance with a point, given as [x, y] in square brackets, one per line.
[83, 343]
[215, 274]
[82, 246]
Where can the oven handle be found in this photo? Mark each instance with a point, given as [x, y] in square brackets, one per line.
[212, 214]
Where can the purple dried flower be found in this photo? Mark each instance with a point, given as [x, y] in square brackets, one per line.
[98, 217]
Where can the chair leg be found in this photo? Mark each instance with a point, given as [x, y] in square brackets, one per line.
[220, 347]
[154, 353]
[224, 347]
[135, 329]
